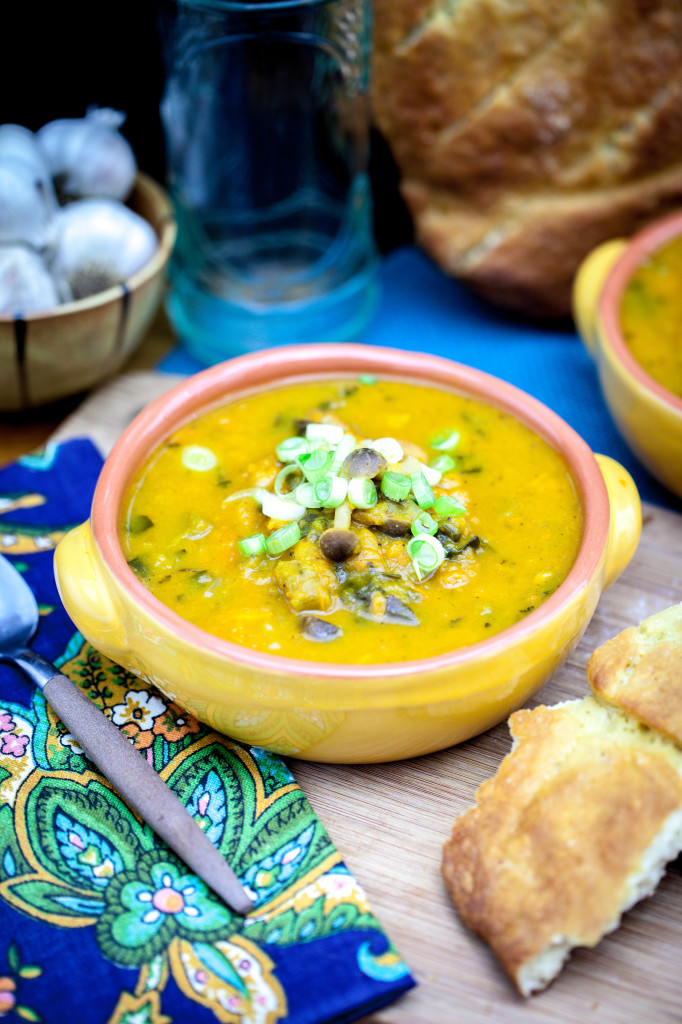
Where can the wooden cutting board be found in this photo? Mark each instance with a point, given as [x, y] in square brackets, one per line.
[389, 822]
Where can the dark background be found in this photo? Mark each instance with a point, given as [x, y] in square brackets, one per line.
[60, 58]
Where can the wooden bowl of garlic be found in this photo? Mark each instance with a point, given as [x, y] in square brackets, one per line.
[85, 239]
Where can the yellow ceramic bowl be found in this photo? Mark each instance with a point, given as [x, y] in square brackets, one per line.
[65, 350]
[648, 416]
[343, 713]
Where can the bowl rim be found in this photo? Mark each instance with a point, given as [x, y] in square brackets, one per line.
[166, 232]
[638, 248]
[284, 365]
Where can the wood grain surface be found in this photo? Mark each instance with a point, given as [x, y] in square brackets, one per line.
[389, 822]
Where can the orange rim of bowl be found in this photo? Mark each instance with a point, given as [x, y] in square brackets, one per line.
[286, 365]
[166, 231]
[640, 247]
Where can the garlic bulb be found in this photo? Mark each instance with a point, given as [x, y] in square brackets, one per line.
[20, 147]
[26, 207]
[88, 156]
[100, 243]
[25, 283]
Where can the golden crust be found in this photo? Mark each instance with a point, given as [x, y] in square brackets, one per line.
[551, 850]
[640, 671]
[490, 104]
[522, 251]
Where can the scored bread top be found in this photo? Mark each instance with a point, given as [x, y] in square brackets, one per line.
[529, 132]
[640, 671]
[575, 827]
[499, 94]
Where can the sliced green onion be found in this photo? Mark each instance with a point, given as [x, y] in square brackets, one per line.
[253, 545]
[283, 539]
[293, 469]
[395, 486]
[426, 553]
[342, 516]
[316, 465]
[445, 505]
[442, 463]
[198, 458]
[329, 432]
[251, 492]
[330, 491]
[423, 494]
[290, 449]
[343, 449]
[446, 442]
[362, 493]
[305, 495]
[424, 523]
[391, 449]
[317, 443]
[285, 509]
[433, 476]
[367, 378]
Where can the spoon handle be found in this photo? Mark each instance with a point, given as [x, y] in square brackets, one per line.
[144, 790]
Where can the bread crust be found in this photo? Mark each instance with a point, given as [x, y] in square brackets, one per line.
[519, 125]
[640, 671]
[522, 253]
[559, 842]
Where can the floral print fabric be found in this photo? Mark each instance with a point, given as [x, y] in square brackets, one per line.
[100, 921]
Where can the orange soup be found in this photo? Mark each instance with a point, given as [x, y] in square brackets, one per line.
[651, 316]
[353, 521]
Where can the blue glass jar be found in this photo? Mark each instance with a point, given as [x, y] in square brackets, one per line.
[265, 116]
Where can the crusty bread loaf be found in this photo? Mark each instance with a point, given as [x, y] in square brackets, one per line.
[526, 132]
[577, 825]
[640, 671]
[584, 812]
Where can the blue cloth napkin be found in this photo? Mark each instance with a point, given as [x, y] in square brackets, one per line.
[422, 309]
[99, 922]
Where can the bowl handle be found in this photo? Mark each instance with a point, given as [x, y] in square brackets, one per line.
[625, 526]
[84, 592]
[587, 286]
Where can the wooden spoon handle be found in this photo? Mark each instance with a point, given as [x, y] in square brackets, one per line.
[145, 791]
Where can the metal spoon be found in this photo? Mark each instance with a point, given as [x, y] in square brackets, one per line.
[133, 777]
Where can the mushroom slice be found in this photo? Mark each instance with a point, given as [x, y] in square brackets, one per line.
[314, 628]
[363, 462]
[338, 545]
[389, 608]
[398, 612]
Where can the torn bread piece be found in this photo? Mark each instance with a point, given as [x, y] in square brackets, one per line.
[640, 671]
[576, 827]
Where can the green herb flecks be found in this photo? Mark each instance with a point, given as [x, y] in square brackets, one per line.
[139, 523]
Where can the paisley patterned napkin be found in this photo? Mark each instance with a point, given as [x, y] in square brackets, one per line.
[99, 921]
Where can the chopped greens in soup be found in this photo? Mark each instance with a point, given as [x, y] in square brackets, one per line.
[353, 521]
